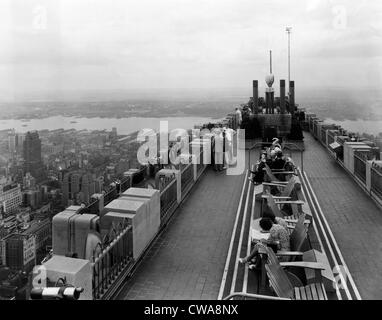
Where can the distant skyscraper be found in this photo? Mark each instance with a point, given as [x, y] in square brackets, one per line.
[12, 141]
[78, 187]
[32, 155]
[20, 142]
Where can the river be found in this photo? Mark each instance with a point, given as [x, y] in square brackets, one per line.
[123, 125]
[130, 125]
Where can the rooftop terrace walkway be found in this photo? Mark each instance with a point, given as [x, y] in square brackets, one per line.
[354, 218]
[188, 258]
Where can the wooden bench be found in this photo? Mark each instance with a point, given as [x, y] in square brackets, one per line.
[285, 189]
[296, 205]
[314, 271]
[272, 174]
[298, 243]
[325, 276]
[286, 285]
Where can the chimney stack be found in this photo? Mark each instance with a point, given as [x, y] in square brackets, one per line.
[255, 87]
[291, 97]
[282, 97]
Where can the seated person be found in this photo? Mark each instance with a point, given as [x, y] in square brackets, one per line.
[279, 162]
[278, 240]
[289, 165]
[276, 220]
[258, 174]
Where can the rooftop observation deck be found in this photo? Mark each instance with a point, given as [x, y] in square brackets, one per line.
[188, 259]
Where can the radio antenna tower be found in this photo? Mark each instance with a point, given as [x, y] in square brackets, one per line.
[270, 61]
[288, 30]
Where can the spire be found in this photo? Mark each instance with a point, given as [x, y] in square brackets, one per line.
[270, 61]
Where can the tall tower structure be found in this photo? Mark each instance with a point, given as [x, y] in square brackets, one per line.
[289, 31]
[32, 155]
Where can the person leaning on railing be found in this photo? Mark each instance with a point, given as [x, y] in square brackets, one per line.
[278, 240]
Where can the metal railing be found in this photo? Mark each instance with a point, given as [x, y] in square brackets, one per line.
[125, 184]
[360, 168]
[111, 262]
[168, 198]
[110, 195]
[139, 176]
[323, 136]
[376, 181]
[330, 138]
[187, 177]
[200, 165]
[252, 296]
[93, 207]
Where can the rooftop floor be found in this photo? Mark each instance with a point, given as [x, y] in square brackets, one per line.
[187, 260]
[355, 220]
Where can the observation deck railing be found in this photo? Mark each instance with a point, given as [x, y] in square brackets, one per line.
[360, 166]
[111, 262]
[187, 177]
[168, 199]
[376, 180]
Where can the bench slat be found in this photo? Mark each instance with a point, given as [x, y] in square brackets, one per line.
[292, 220]
[303, 294]
[319, 292]
[324, 291]
[308, 293]
[297, 295]
[314, 291]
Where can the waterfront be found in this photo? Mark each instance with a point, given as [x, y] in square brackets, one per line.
[132, 124]
[123, 125]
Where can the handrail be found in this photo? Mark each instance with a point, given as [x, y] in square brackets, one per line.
[254, 296]
[285, 145]
[168, 186]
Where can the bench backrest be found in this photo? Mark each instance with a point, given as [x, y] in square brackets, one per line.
[279, 281]
[299, 234]
[273, 206]
[270, 175]
[287, 191]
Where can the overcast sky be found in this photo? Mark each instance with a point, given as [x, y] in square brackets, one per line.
[53, 45]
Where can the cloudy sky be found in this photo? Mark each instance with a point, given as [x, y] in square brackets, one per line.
[53, 45]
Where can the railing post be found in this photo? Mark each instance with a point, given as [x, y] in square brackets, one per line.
[178, 178]
[100, 198]
[369, 165]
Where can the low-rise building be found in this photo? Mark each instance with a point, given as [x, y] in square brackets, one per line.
[10, 198]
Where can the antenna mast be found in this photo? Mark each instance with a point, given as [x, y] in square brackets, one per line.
[270, 61]
[289, 30]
